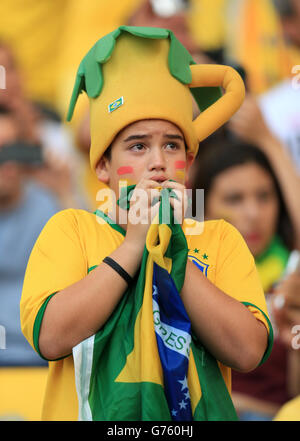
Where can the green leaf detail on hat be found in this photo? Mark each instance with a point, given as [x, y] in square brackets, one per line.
[179, 61]
[89, 76]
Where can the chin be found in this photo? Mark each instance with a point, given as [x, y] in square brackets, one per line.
[257, 250]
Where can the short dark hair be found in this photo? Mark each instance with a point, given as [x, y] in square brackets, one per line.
[107, 153]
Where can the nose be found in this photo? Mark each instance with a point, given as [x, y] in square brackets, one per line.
[157, 160]
[252, 210]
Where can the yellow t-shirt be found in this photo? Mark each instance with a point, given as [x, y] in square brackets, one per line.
[74, 241]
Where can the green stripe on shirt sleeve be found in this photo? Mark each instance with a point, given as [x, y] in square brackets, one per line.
[37, 327]
[270, 336]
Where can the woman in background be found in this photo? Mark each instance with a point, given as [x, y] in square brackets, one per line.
[241, 187]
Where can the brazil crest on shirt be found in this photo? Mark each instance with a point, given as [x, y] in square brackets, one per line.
[145, 363]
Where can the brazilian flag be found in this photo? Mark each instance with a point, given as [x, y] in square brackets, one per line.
[145, 363]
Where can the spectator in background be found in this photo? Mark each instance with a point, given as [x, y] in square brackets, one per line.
[286, 309]
[8, 126]
[12, 96]
[289, 12]
[42, 125]
[254, 39]
[146, 15]
[250, 126]
[280, 105]
[29, 195]
[39, 121]
[25, 207]
[240, 185]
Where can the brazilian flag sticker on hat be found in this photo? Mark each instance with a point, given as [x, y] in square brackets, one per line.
[115, 104]
[137, 73]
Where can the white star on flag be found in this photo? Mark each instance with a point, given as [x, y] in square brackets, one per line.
[174, 412]
[187, 395]
[182, 404]
[184, 383]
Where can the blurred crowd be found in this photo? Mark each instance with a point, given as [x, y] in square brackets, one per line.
[249, 169]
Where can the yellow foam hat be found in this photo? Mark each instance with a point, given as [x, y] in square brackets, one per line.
[137, 73]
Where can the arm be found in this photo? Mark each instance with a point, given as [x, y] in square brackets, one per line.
[287, 176]
[221, 322]
[81, 309]
[287, 318]
[225, 326]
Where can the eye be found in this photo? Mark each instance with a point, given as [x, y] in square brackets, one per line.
[137, 147]
[233, 199]
[265, 196]
[172, 146]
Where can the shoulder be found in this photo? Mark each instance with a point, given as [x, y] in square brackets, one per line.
[212, 229]
[227, 238]
[79, 225]
[72, 218]
[216, 241]
[65, 221]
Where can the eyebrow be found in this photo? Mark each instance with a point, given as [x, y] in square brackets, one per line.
[138, 137]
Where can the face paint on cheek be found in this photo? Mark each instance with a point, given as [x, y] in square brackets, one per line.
[180, 165]
[125, 170]
[180, 169]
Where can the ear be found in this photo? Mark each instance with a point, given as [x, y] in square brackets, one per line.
[189, 161]
[103, 170]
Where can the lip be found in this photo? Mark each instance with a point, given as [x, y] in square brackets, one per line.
[253, 237]
[159, 179]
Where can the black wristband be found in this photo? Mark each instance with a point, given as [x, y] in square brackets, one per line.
[114, 265]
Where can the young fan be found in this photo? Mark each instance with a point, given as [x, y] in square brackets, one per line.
[143, 317]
